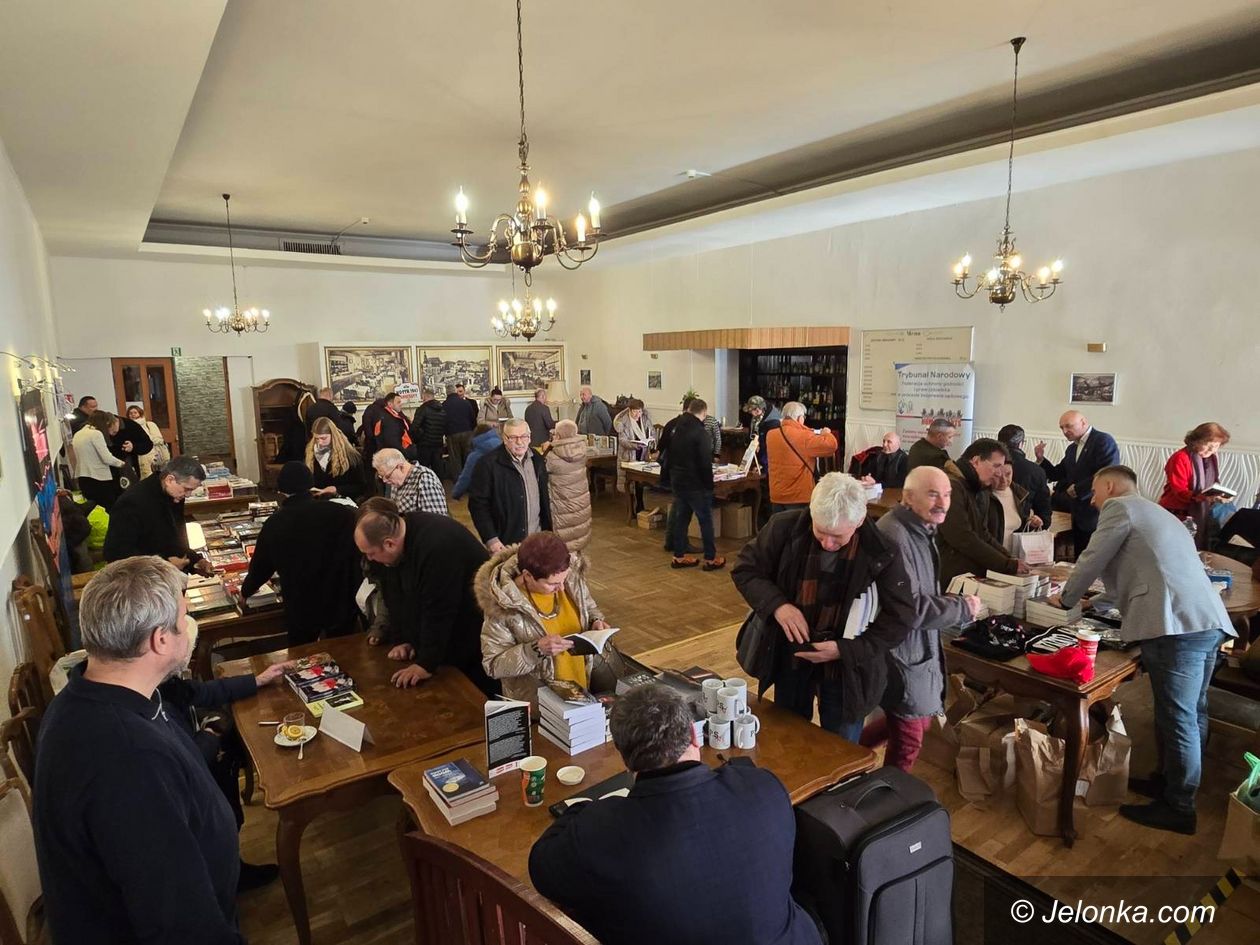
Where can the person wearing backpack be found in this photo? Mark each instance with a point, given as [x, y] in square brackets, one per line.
[792, 450]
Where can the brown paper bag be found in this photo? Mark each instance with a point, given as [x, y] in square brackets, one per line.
[1038, 775]
[940, 742]
[981, 769]
[1241, 840]
[1105, 771]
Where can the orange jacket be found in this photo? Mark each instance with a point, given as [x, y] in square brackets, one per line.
[791, 479]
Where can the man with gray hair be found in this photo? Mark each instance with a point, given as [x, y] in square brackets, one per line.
[148, 519]
[413, 487]
[135, 841]
[594, 418]
[835, 598]
[931, 450]
[626, 867]
[508, 498]
[792, 452]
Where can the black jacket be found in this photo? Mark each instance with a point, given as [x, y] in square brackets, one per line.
[429, 593]
[888, 470]
[345, 423]
[1032, 477]
[309, 542]
[965, 538]
[350, 483]
[672, 833]
[689, 454]
[367, 426]
[428, 427]
[145, 521]
[1100, 451]
[496, 499]
[769, 571]
[924, 453]
[322, 408]
[461, 414]
[389, 432]
[541, 423]
[135, 841]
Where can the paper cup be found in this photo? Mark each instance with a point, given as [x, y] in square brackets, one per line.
[533, 779]
[1087, 640]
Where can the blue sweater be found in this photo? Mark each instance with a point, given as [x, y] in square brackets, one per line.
[483, 445]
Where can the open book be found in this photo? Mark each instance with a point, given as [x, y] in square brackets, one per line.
[590, 642]
[1221, 490]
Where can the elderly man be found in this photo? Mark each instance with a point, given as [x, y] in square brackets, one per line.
[1088, 451]
[412, 487]
[1025, 473]
[932, 449]
[968, 544]
[594, 418]
[841, 597]
[884, 464]
[793, 450]
[428, 426]
[538, 416]
[627, 867]
[424, 565]
[916, 666]
[508, 498]
[461, 418]
[148, 519]
[1152, 573]
[135, 841]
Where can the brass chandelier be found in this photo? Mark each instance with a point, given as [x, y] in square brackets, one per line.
[528, 234]
[224, 319]
[523, 319]
[1004, 279]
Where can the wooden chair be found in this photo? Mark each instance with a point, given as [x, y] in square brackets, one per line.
[17, 747]
[460, 899]
[20, 892]
[34, 605]
[28, 698]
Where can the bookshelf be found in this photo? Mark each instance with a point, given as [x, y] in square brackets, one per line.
[816, 377]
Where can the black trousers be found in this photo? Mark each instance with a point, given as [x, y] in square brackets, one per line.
[99, 492]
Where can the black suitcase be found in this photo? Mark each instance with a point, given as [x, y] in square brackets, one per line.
[874, 861]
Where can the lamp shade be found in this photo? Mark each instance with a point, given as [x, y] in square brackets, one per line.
[557, 393]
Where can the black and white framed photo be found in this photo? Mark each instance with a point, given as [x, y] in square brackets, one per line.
[654, 380]
[444, 366]
[523, 370]
[1093, 389]
[584, 377]
[364, 374]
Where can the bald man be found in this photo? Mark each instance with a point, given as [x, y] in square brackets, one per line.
[323, 407]
[1088, 451]
[916, 666]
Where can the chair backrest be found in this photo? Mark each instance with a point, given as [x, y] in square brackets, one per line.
[35, 608]
[17, 747]
[458, 897]
[19, 873]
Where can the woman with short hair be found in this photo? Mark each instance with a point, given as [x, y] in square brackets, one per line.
[635, 436]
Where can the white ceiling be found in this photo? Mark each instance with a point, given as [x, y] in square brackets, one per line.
[318, 112]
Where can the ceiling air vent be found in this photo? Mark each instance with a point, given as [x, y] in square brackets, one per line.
[323, 249]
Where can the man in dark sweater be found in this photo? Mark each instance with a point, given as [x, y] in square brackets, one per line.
[134, 839]
[690, 461]
[1026, 473]
[461, 419]
[931, 450]
[424, 565]
[148, 519]
[309, 542]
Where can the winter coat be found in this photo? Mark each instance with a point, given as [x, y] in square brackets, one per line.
[689, 455]
[512, 623]
[1032, 477]
[492, 413]
[428, 426]
[570, 491]
[593, 419]
[392, 431]
[482, 445]
[461, 414]
[541, 423]
[145, 521]
[351, 484]
[916, 665]
[497, 498]
[793, 450]
[322, 408]
[965, 540]
[627, 451]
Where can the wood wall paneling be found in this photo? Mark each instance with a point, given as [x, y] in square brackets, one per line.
[746, 338]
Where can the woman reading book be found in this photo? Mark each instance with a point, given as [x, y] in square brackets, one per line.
[1192, 489]
[535, 600]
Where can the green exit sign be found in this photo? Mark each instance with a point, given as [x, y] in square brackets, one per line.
[177, 352]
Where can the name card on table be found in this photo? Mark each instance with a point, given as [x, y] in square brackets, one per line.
[346, 729]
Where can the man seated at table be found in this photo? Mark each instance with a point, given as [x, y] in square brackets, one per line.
[884, 464]
[932, 448]
[424, 565]
[1152, 573]
[692, 855]
[148, 519]
[967, 543]
[413, 487]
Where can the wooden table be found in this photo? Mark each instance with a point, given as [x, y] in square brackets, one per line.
[601, 465]
[1072, 701]
[213, 507]
[637, 479]
[1242, 600]
[890, 499]
[215, 628]
[408, 726]
[806, 759]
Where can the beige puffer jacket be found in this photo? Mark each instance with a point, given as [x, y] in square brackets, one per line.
[512, 624]
[570, 493]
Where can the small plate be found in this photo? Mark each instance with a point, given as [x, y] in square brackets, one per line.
[570, 774]
[308, 732]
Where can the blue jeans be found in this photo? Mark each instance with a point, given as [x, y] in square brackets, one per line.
[796, 691]
[687, 501]
[1180, 668]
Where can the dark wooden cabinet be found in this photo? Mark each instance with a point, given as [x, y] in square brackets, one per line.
[816, 377]
[275, 418]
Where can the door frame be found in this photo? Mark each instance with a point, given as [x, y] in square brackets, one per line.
[170, 432]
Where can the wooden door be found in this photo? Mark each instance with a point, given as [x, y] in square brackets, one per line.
[149, 382]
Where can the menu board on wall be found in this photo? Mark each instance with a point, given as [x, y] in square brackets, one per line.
[884, 348]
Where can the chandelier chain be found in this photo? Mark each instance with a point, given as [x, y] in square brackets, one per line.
[227, 208]
[520, 74]
[1010, 157]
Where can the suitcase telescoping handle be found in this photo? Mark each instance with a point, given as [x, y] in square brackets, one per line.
[877, 784]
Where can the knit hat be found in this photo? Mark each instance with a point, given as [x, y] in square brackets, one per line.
[1070, 663]
[349, 407]
[294, 477]
[757, 402]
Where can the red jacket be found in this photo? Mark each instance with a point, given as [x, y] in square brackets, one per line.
[1179, 495]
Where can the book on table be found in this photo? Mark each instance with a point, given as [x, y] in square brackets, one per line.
[318, 678]
[460, 791]
[568, 746]
[508, 737]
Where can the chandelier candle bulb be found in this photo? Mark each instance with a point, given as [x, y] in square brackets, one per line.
[593, 209]
[540, 204]
[580, 226]
[461, 208]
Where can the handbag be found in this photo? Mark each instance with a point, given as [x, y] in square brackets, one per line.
[756, 646]
[812, 467]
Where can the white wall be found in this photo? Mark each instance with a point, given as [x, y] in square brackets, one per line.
[25, 329]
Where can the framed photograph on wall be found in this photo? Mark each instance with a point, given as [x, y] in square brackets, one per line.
[584, 377]
[524, 370]
[443, 366]
[1093, 389]
[35, 448]
[654, 380]
[362, 374]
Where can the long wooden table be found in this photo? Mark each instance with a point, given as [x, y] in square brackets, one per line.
[638, 479]
[226, 625]
[407, 725]
[806, 759]
[890, 499]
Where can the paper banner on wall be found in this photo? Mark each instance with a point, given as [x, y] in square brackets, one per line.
[408, 396]
[928, 391]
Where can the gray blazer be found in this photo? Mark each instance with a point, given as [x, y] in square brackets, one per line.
[916, 666]
[1152, 572]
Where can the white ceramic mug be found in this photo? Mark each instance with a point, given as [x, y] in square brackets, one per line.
[727, 704]
[699, 725]
[746, 729]
[741, 685]
[719, 733]
[710, 689]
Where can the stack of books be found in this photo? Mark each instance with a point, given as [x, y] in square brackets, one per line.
[208, 599]
[265, 596]
[1026, 586]
[571, 717]
[319, 679]
[1039, 612]
[460, 792]
[995, 597]
[229, 559]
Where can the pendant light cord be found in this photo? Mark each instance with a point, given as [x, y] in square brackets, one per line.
[520, 75]
[1010, 158]
[227, 208]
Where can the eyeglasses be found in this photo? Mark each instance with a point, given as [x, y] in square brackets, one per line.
[392, 469]
[523, 438]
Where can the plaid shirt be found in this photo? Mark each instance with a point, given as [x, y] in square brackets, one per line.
[421, 491]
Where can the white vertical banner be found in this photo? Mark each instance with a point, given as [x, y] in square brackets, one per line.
[928, 391]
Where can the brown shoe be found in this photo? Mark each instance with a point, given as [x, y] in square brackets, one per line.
[714, 564]
[686, 561]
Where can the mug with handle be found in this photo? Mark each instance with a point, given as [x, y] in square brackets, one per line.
[740, 685]
[710, 689]
[746, 728]
[727, 704]
[719, 733]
